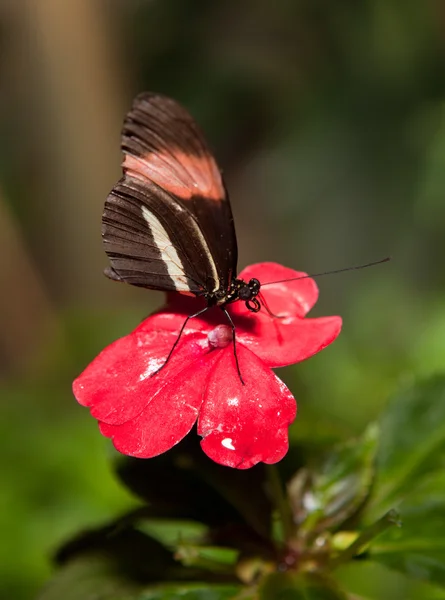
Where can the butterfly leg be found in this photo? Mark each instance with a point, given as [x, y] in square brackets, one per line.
[232, 325]
[181, 331]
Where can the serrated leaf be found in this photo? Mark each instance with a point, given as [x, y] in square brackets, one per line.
[412, 443]
[289, 586]
[417, 548]
[329, 495]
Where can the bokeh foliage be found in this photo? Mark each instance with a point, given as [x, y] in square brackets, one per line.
[328, 120]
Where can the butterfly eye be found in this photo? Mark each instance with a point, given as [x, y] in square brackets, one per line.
[254, 286]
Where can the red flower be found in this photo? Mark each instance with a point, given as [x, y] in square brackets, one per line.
[241, 425]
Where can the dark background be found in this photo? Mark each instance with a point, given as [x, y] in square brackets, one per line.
[328, 119]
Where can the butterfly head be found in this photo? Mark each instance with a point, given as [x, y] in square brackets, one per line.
[240, 290]
[248, 292]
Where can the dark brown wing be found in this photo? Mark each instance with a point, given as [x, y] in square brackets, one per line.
[162, 144]
[153, 241]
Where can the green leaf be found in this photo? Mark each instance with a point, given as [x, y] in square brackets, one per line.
[362, 540]
[224, 556]
[95, 578]
[172, 533]
[138, 556]
[411, 477]
[369, 580]
[412, 443]
[418, 547]
[90, 578]
[289, 586]
[170, 544]
[186, 539]
[193, 592]
[208, 558]
[328, 496]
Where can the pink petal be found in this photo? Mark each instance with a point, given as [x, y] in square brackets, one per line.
[292, 298]
[117, 385]
[168, 417]
[282, 342]
[243, 425]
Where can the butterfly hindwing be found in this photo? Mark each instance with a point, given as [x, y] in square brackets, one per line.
[170, 177]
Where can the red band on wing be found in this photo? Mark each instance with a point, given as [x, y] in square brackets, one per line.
[183, 175]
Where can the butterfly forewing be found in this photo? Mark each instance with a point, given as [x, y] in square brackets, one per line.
[167, 224]
[143, 237]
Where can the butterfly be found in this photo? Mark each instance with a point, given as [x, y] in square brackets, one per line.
[167, 224]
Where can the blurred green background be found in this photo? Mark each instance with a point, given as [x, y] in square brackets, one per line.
[328, 119]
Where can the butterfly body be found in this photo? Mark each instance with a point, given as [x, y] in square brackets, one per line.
[167, 224]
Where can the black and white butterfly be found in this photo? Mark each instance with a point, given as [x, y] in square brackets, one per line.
[167, 224]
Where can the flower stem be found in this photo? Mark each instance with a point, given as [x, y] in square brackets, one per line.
[388, 520]
[280, 501]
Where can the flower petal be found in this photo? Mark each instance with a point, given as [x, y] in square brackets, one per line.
[243, 425]
[117, 385]
[282, 342]
[169, 416]
[172, 317]
[291, 298]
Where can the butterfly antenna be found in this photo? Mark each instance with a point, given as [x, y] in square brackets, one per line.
[355, 268]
